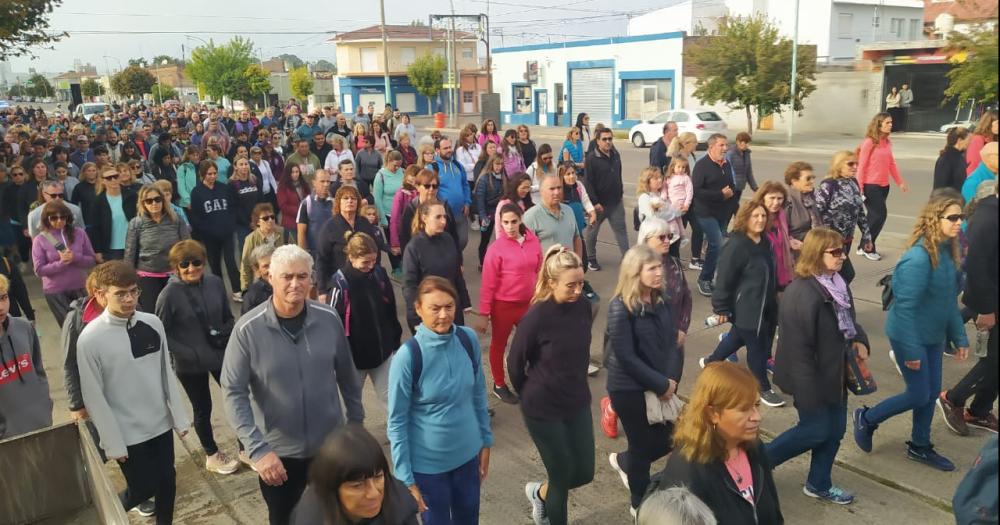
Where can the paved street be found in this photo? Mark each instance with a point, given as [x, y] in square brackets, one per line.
[890, 488]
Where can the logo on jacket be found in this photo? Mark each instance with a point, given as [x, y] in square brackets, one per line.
[16, 367]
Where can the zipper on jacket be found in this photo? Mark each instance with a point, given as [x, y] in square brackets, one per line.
[730, 484]
[763, 301]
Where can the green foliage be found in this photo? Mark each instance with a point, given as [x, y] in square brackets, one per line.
[24, 25]
[426, 74]
[325, 65]
[141, 62]
[39, 86]
[163, 92]
[292, 60]
[17, 90]
[91, 88]
[976, 77]
[222, 70]
[171, 61]
[258, 82]
[133, 82]
[748, 65]
[301, 82]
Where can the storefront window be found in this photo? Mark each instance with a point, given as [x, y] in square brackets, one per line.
[645, 98]
[522, 99]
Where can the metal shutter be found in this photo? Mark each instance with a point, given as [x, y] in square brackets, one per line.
[590, 93]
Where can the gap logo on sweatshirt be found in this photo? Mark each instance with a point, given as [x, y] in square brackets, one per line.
[215, 205]
[12, 369]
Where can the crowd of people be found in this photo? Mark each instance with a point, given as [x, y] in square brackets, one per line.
[121, 215]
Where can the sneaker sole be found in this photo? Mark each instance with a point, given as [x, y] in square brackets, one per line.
[811, 494]
[613, 460]
[502, 400]
[854, 418]
[928, 463]
[773, 405]
[701, 362]
[142, 513]
[944, 415]
[223, 471]
[982, 427]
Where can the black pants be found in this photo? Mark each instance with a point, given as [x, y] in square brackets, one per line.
[875, 197]
[485, 236]
[219, 249]
[59, 303]
[151, 288]
[198, 390]
[697, 236]
[980, 383]
[396, 261]
[567, 451]
[149, 471]
[281, 500]
[758, 350]
[646, 443]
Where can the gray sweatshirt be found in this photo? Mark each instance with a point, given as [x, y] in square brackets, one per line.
[282, 393]
[147, 243]
[128, 388]
[25, 403]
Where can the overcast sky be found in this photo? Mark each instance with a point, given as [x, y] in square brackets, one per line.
[121, 30]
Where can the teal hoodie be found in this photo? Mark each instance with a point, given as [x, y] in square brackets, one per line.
[447, 424]
[387, 183]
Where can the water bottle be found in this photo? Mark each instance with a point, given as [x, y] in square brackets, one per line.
[982, 343]
[712, 321]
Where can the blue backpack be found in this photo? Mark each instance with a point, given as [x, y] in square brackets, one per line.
[417, 357]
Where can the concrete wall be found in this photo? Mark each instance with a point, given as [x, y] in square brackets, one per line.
[349, 55]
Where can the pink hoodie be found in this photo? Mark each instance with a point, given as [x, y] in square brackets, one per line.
[509, 271]
[876, 164]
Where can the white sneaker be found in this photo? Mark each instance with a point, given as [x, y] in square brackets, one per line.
[592, 370]
[238, 297]
[873, 256]
[613, 459]
[892, 358]
[701, 362]
[220, 463]
[537, 505]
[244, 458]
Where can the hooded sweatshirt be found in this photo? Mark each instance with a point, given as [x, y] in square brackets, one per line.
[185, 309]
[387, 183]
[213, 210]
[25, 403]
[510, 270]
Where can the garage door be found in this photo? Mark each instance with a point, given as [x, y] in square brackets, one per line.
[590, 93]
[406, 102]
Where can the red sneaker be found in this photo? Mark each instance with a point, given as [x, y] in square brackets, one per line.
[609, 420]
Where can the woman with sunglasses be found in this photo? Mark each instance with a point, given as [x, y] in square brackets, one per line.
[113, 208]
[265, 231]
[841, 206]
[510, 148]
[818, 326]
[61, 254]
[197, 320]
[151, 233]
[213, 222]
[801, 212]
[427, 183]
[924, 318]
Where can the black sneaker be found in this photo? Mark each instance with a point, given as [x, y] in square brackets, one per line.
[504, 394]
[705, 288]
[146, 508]
[929, 457]
[592, 266]
[771, 398]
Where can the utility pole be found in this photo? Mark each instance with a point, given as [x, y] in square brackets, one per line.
[795, 73]
[454, 76]
[385, 56]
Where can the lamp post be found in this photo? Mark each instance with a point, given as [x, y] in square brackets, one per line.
[159, 83]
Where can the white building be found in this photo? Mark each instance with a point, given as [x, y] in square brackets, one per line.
[617, 81]
[835, 27]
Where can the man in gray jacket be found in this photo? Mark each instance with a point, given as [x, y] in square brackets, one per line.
[282, 369]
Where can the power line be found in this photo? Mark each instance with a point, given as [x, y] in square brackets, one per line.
[213, 32]
[214, 17]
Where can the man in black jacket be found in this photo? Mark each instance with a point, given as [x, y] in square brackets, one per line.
[981, 292]
[658, 151]
[712, 178]
[603, 180]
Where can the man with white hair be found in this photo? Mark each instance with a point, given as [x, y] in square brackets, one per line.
[281, 373]
[52, 190]
[674, 506]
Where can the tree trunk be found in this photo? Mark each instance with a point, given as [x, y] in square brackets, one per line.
[749, 120]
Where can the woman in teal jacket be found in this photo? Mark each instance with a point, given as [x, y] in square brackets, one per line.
[923, 318]
[187, 175]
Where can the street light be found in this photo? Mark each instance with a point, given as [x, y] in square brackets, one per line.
[159, 83]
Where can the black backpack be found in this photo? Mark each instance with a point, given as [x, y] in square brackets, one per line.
[417, 356]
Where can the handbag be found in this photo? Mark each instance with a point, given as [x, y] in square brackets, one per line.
[860, 380]
[887, 296]
[658, 411]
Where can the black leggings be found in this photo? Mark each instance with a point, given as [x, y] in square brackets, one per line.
[646, 443]
[281, 500]
[875, 197]
[396, 261]
[199, 391]
[485, 236]
[980, 383]
[567, 450]
[219, 249]
[151, 288]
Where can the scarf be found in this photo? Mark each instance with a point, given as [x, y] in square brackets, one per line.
[778, 235]
[835, 285]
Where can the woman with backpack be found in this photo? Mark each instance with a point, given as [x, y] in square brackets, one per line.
[876, 164]
[489, 191]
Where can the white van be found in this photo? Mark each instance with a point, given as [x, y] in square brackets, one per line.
[89, 109]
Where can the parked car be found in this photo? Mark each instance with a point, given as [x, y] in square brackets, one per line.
[702, 122]
[89, 109]
[4, 104]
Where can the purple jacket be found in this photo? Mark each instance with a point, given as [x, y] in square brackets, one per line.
[56, 276]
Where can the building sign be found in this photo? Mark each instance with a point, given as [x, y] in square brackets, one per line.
[531, 73]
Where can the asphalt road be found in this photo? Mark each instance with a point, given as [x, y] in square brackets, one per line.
[890, 489]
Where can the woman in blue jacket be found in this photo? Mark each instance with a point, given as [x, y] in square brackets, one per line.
[438, 427]
[641, 360]
[923, 318]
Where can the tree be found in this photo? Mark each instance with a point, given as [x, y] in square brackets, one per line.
[747, 66]
[39, 86]
[974, 78]
[301, 82]
[133, 81]
[141, 62]
[258, 82]
[163, 92]
[426, 74]
[221, 70]
[91, 88]
[18, 90]
[418, 23]
[292, 60]
[24, 25]
[324, 65]
[159, 59]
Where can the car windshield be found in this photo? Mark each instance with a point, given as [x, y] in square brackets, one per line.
[92, 110]
[709, 116]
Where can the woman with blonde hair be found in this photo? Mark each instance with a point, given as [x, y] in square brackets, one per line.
[841, 206]
[548, 363]
[819, 328]
[719, 456]
[923, 319]
[266, 230]
[425, 157]
[151, 234]
[110, 213]
[876, 164]
[572, 150]
[644, 357]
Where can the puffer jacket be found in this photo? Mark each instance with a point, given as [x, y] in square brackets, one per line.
[644, 353]
[147, 243]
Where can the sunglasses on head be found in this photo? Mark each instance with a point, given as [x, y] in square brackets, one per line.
[836, 252]
[430, 186]
[186, 263]
[955, 217]
[153, 200]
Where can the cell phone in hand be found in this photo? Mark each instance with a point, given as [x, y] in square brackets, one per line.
[60, 247]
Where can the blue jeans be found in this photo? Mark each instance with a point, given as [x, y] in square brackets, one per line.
[758, 350]
[922, 389]
[452, 497]
[819, 430]
[712, 231]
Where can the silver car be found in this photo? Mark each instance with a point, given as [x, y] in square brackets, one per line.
[702, 122]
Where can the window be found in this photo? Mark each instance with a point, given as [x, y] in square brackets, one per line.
[896, 27]
[644, 99]
[915, 32]
[467, 97]
[407, 55]
[522, 99]
[709, 116]
[662, 118]
[467, 53]
[369, 59]
[439, 51]
[845, 25]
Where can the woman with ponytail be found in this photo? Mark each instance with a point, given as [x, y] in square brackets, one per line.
[547, 364]
[431, 251]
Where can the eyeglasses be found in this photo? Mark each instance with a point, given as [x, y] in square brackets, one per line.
[956, 217]
[836, 252]
[267, 218]
[186, 263]
[56, 195]
[153, 200]
[430, 186]
[126, 294]
[663, 238]
[110, 177]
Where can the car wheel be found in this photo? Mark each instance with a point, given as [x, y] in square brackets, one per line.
[638, 140]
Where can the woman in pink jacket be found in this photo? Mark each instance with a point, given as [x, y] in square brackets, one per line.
[509, 273]
[876, 165]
